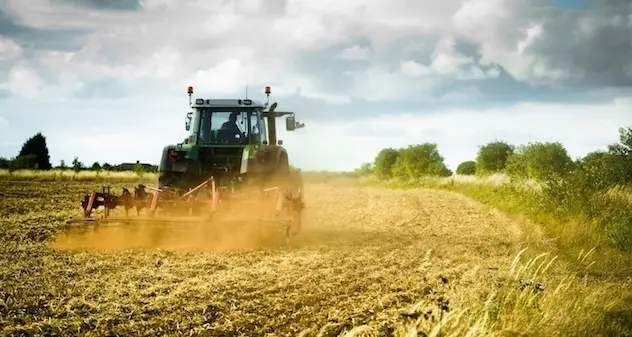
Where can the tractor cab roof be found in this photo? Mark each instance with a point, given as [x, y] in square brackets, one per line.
[226, 103]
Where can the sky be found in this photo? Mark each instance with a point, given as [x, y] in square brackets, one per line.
[105, 80]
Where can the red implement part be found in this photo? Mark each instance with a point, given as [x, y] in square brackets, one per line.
[204, 199]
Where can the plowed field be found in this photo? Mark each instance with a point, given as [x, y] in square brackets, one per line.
[369, 260]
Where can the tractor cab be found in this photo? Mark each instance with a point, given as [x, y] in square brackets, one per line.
[236, 122]
[226, 122]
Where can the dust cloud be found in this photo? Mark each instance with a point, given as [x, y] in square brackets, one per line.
[246, 227]
[176, 236]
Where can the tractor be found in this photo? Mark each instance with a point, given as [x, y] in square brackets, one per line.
[231, 156]
[233, 140]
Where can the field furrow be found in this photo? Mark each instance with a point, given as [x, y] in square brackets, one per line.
[385, 259]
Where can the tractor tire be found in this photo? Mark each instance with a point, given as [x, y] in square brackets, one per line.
[169, 179]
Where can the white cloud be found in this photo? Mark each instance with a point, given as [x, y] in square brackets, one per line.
[459, 132]
[411, 52]
[227, 77]
[23, 81]
[9, 50]
[448, 63]
[175, 42]
[413, 69]
[355, 53]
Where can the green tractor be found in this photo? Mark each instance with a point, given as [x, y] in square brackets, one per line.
[230, 157]
[234, 141]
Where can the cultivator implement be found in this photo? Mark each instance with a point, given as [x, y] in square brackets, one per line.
[206, 204]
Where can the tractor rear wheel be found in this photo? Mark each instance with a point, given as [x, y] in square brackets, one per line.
[170, 179]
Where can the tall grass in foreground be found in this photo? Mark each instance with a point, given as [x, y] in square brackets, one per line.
[533, 297]
[528, 301]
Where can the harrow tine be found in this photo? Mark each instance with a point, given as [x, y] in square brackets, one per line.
[279, 208]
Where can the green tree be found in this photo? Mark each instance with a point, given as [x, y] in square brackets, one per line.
[384, 162]
[539, 160]
[492, 157]
[622, 155]
[4, 163]
[466, 168]
[139, 169]
[62, 165]
[364, 169]
[96, 166]
[601, 169]
[37, 147]
[420, 160]
[106, 167]
[77, 165]
[25, 162]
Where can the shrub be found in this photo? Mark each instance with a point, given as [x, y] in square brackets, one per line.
[384, 162]
[466, 168]
[492, 157]
[25, 162]
[539, 161]
[419, 160]
[365, 169]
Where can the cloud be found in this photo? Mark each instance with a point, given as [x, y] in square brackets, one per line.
[459, 132]
[9, 50]
[23, 80]
[29, 37]
[355, 53]
[105, 4]
[550, 45]
[512, 36]
[371, 72]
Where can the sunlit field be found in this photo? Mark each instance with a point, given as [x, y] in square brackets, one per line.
[370, 261]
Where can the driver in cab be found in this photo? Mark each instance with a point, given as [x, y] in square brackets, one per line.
[230, 127]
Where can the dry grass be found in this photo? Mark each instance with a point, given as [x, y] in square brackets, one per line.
[57, 174]
[371, 262]
[495, 180]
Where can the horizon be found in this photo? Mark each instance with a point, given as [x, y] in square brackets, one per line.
[106, 82]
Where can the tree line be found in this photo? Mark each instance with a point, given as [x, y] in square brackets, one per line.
[34, 155]
[542, 161]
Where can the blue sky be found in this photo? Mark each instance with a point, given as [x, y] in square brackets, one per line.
[106, 81]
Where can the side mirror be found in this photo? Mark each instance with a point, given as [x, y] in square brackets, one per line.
[290, 123]
[187, 121]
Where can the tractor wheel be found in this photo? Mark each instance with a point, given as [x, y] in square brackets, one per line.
[169, 179]
[281, 172]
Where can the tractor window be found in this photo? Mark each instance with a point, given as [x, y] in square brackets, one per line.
[258, 128]
[224, 127]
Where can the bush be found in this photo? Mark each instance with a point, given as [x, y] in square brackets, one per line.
[419, 160]
[492, 157]
[539, 161]
[364, 170]
[26, 162]
[466, 168]
[384, 162]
